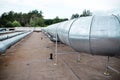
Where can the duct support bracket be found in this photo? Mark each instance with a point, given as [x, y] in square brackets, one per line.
[56, 51]
[108, 68]
[78, 58]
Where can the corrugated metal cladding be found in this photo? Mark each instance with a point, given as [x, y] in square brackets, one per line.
[97, 35]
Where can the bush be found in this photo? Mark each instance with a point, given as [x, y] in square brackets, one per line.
[16, 24]
[9, 24]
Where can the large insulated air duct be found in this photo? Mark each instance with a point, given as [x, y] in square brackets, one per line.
[4, 45]
[97, 35]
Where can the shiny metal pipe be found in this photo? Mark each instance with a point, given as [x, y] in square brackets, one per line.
[10, 35]
[4, 45]
[97, 35]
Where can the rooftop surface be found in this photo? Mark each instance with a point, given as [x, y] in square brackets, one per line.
[29, 60]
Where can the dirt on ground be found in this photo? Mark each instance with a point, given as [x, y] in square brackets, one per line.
[29, 60]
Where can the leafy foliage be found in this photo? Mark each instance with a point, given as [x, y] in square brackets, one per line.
[86, 13]
[33, 18]
[75, 16]
[36, 21]
[16, 24]
[48, 22]
[57, 19]
[9, 24]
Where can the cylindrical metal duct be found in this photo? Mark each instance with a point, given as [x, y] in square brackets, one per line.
[9, 42]
[97, 35]
[63, 32]
[51, 31]
[6, 32]
[7, 36]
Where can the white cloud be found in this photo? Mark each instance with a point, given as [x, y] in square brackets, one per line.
[93, 4]
[62, 8]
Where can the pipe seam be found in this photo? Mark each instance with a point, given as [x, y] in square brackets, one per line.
[69, 33]
[90, 47]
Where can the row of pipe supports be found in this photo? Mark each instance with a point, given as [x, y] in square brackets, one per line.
[56, 51]
[108, 67]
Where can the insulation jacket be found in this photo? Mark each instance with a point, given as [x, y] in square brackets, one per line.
[6, 32]
[7, 36]
[96, 35]
[4, 45]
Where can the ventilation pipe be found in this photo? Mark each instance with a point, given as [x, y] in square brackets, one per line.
[4, 45]
[96, 35]
[7, 36]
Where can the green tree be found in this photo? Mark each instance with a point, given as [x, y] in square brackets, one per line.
[9, 24]
[75, 16]
[32, 18]
[3, 20]
[36, 21]
[36, 18]
[86, 13]
[48, 22]
[10, 16]
[16, 24]
[56, 20]
[40, 22]
[32, 23]
[52, 21]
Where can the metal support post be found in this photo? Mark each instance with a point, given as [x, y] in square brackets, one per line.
[78, 58]
[108, 68]
[56, 51]
[107, 72]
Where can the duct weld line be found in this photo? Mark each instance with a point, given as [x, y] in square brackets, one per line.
[69, 33]
[90, 47]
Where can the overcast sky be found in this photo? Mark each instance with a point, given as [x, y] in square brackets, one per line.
[61, 8]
